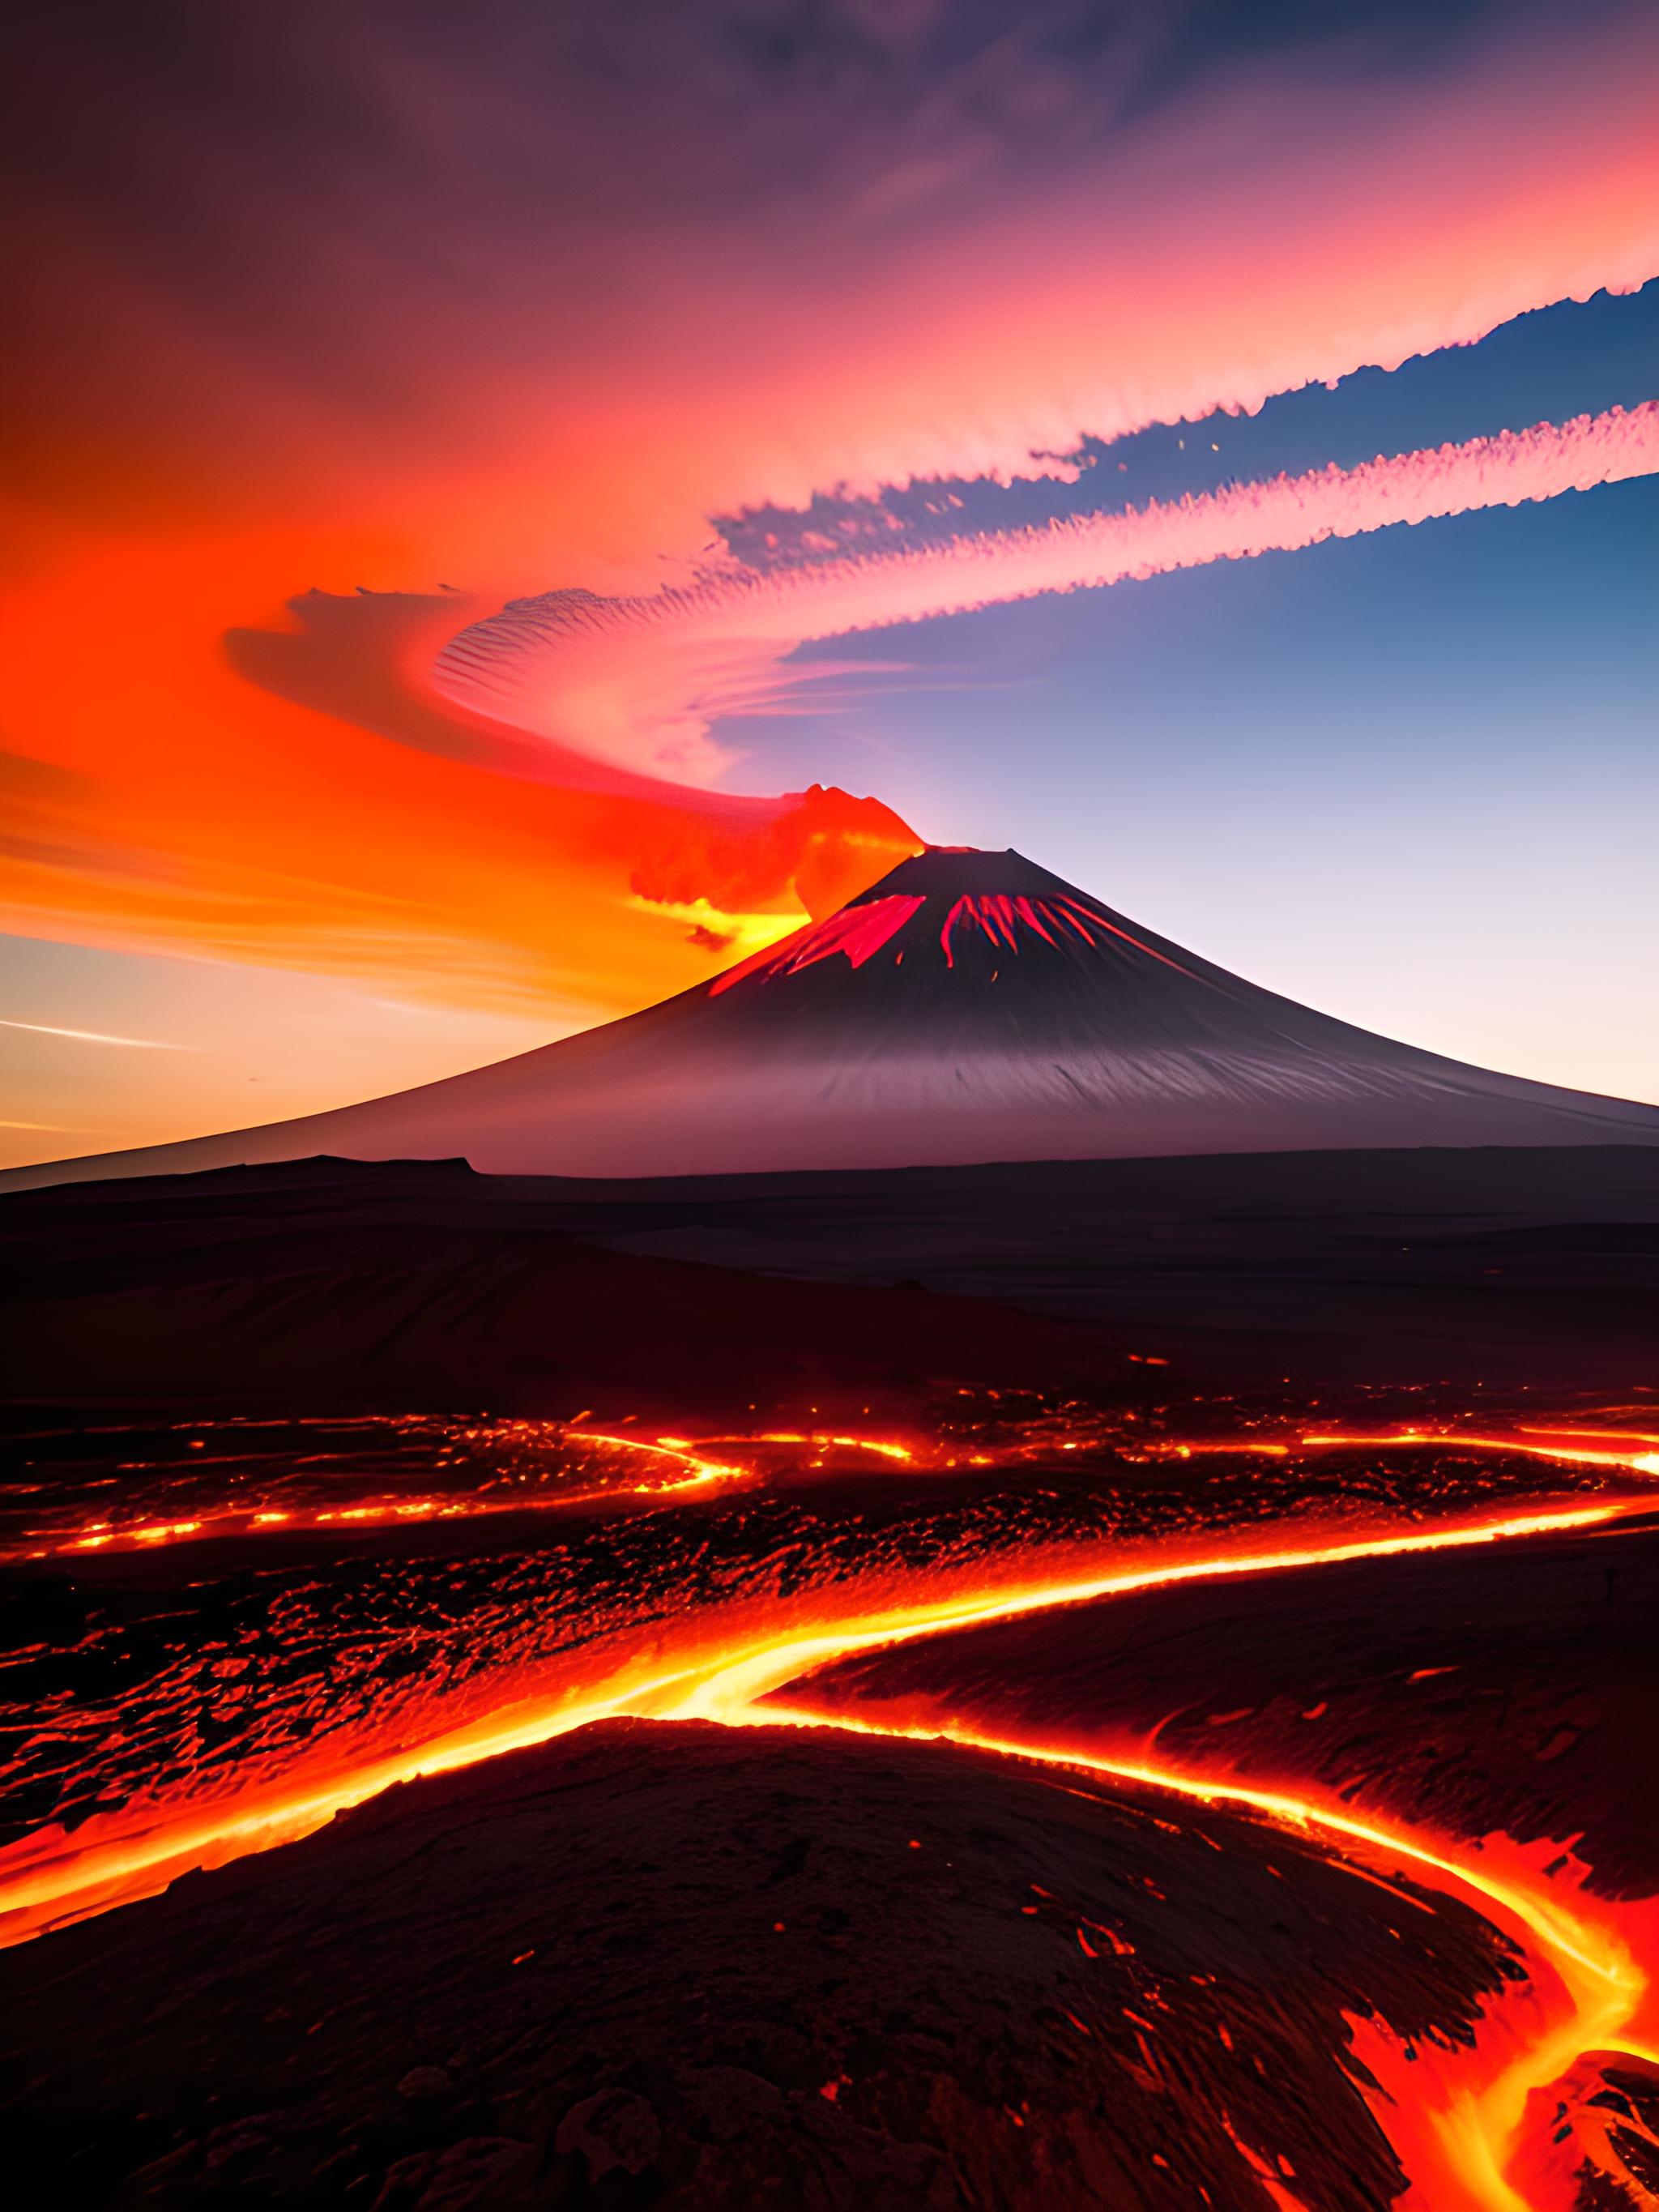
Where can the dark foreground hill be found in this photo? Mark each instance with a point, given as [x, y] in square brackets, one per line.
[331, 1287]
[327, 1285]
[695, 1968]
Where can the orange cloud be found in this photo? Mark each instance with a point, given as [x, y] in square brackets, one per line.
[316, 830]
[475, 317]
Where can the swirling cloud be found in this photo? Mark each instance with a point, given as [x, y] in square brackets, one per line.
[515, 295]
[637, 681]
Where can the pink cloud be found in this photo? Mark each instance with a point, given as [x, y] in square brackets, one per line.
[606, 304]
[638, 681]
[510, 295]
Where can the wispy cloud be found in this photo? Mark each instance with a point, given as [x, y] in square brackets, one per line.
[90, 1037]
[548, 292]
[638, 681]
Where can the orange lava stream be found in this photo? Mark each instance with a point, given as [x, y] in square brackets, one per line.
[1634, 1462]
[1474, 2138]
[703, 1473]
[54, 1880]
[877, 1444]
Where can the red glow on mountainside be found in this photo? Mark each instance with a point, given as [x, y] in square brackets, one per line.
[1083, 916]
[860, 931]
[1001, 917]
[1009, 920]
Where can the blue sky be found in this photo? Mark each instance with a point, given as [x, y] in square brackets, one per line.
[1410, 778]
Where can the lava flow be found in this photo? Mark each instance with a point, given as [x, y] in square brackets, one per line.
[1568, 1449]
[1464, 2150]
[537, 1467]
[980, 1535]
[49, 1878]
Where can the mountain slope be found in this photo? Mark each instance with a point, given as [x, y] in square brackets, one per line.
[969, 1006]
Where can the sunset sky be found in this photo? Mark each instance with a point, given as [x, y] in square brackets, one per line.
[1214, 451]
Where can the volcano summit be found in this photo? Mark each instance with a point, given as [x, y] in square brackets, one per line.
[969, 1006]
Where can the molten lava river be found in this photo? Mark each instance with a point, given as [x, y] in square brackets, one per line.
[1391, 1675]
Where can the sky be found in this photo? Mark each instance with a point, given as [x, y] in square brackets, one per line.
[508, 510]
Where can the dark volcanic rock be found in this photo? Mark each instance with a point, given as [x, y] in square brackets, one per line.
[682, 1966]
[1468, 1690]
[484, 2173]
[615, 2132]
[424, 2081]
[326, 1285]
[329, 1285]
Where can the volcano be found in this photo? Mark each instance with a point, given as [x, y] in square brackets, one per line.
[969, 1007]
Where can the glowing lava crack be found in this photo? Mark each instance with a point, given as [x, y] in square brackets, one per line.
[1477, 2133]
[1592, 1994]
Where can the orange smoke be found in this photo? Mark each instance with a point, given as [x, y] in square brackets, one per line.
[347, 828]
